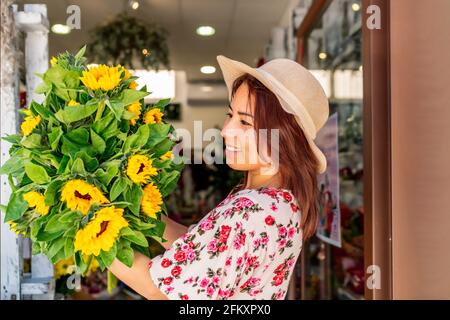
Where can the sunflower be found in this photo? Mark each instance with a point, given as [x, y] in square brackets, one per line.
[151, 200]
[53, 61]
[166, 156]
[101, 232]
[14, 228]
[72, 103]
[64, 267]
[101, 77]
[133, 85]
[136, 109]
[36, 200]
[140, 169]
[153, 116]
[80, 195]
[30, 122]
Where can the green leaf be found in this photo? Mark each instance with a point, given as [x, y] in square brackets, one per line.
[76, 140]
[55, 247]
[134, 196]
[78, 167]
[169, 182]
[41, 110]
[129, 96]
[16, 207]
[112, 168]
[79, 136]
[36, 173]
[63, 164]
[70, 217]
[117, 188]
[68, 247]
[134, 236]
[32, 141]
[125, 254]
[90, 163]
[97, 142]
[55, 225]
[54, 136]
[51, 193]
[158, 133]
[80, 53]
[108, 256]
[13, 138]
[12, 166]
[76, 113]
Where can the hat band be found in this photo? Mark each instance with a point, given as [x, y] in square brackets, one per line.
[292, 103]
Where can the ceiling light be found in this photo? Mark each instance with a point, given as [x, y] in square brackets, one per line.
[322, 56]
[60, 28]
[205, 31]
[208, 69]
[356, 7]
[207, 88]
[134, 4]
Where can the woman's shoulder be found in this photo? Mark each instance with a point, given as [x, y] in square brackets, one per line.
[264, 201]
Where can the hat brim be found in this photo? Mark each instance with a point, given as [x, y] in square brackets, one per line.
[232, 69]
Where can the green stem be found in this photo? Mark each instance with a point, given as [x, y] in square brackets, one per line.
[100, 109]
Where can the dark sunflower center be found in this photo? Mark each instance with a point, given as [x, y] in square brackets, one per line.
[103, 227]
[86, 196]
[141, 168]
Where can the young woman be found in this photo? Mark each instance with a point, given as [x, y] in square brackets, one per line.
[246, 247]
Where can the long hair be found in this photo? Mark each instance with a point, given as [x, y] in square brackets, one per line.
[297, 163]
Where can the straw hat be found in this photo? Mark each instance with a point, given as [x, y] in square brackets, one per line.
[296, 88]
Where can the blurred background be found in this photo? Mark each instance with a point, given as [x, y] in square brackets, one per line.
[383, 65]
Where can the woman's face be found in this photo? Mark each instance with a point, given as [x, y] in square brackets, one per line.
[239, 133]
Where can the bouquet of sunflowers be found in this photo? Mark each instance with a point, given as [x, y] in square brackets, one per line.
[91, 166]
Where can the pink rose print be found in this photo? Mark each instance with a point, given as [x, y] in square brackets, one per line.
[244, 203]
[191, 255]
[167, 281]
[212, 245]
[206, 225]
[291, 232]
[179, 256]
[165, 263]
[176, 271]
[215, 280]
[210, 291]
[273, 207]
[282, 231]
[224, 293]
[269, 220]
[287, 196]
[184, 297]
[169, 289]
[204, 282]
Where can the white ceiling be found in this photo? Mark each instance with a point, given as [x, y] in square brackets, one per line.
[242, 27]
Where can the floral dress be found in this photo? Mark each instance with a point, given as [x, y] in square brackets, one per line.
[245, 248]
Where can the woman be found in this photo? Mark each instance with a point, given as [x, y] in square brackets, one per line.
[246, 247]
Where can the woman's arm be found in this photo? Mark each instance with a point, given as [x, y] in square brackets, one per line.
[172, 231]
[137, 277]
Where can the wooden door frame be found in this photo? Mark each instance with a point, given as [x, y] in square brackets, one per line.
[376, 143]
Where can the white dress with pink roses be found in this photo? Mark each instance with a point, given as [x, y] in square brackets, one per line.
[245, 248]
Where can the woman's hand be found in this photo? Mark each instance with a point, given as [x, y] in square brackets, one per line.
[172, 231]
[137, 277]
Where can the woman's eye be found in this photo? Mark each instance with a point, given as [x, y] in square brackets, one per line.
[245, 123]
[229, 114]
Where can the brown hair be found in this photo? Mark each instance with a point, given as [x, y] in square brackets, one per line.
[297, 163]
